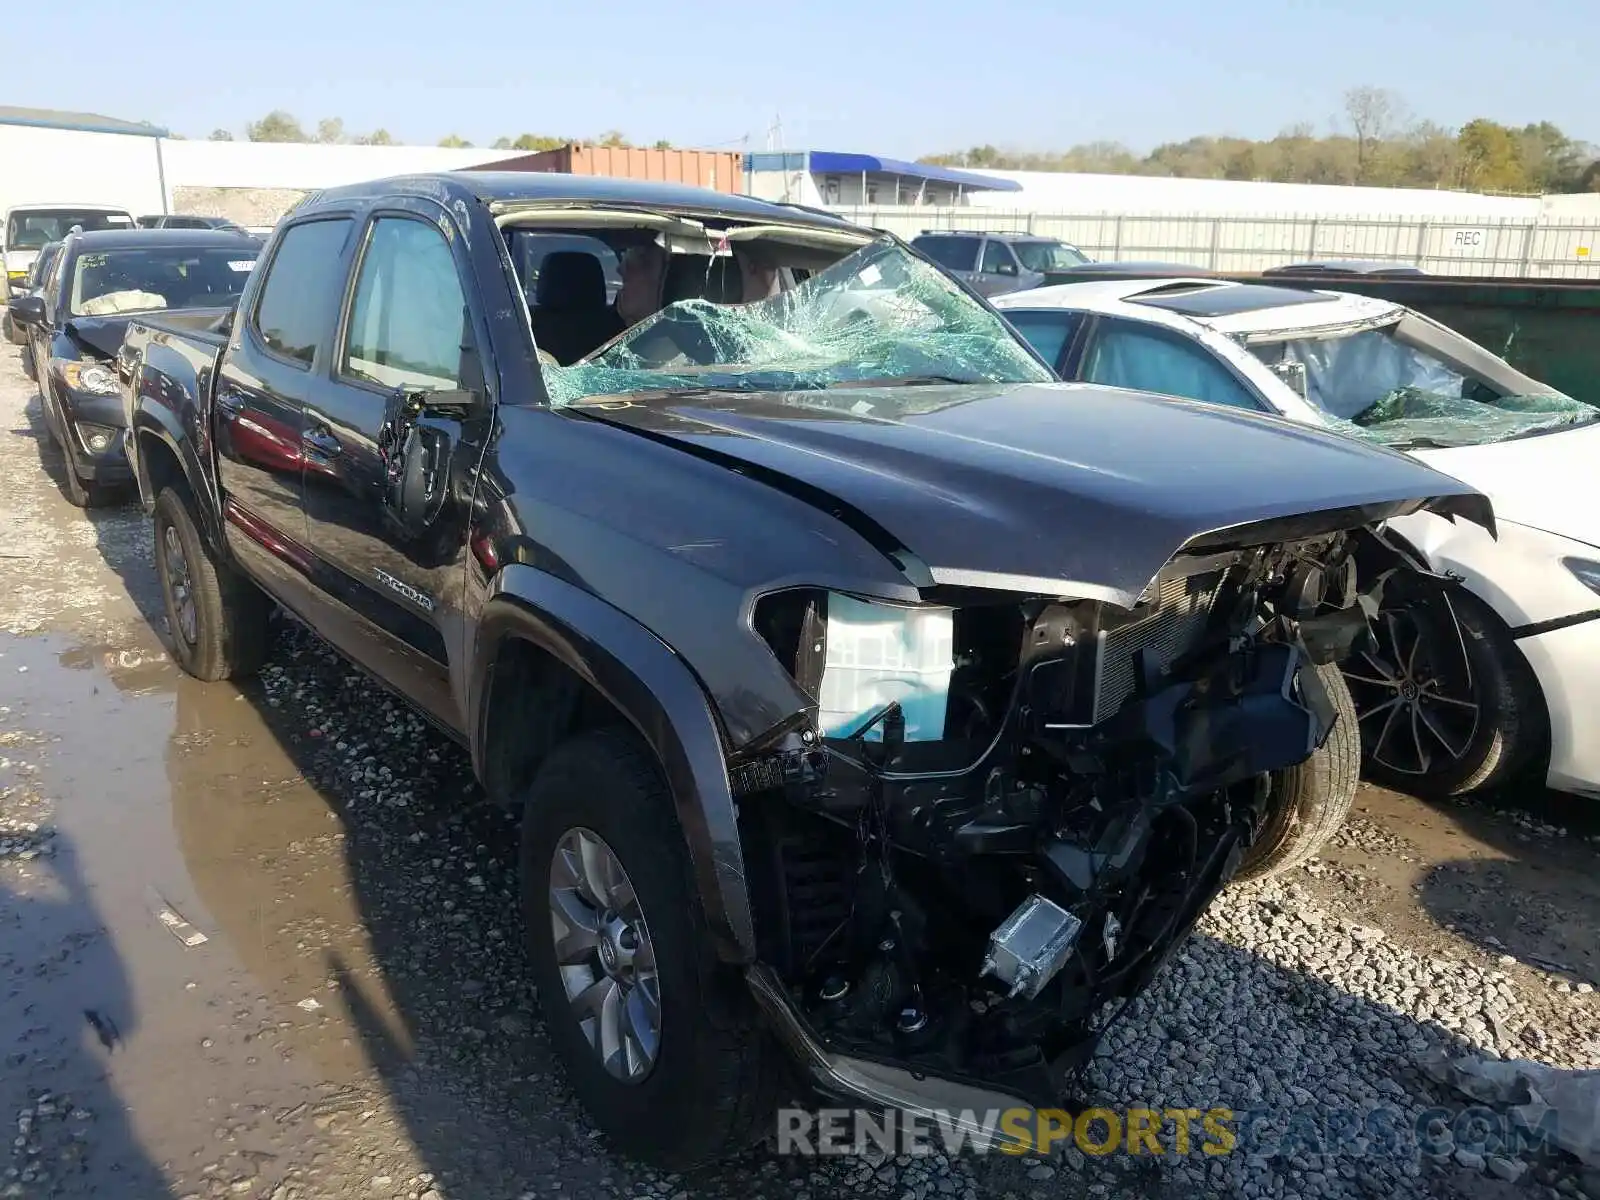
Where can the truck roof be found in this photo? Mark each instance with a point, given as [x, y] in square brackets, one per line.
[147, 239]
[509, 187]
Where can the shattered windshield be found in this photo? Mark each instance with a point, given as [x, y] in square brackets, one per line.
[877, 316]
[1400, 386]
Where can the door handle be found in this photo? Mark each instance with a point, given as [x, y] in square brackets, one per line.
[230, 402]
[321, 439]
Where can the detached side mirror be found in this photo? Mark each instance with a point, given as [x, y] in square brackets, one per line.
[1294, 374]
[27, 310]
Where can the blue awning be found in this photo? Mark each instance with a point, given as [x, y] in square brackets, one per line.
[828, 162]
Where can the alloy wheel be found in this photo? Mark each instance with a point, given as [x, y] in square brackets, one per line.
[181, 586]
[1414, 690]
[604, 954]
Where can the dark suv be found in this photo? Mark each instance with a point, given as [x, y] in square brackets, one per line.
[996, 263]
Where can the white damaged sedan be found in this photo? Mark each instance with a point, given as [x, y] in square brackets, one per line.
[1467, 685]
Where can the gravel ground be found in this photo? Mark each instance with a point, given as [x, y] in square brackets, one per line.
[358, 1021]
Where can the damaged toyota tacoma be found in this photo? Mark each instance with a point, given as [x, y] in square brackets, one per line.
[881, 712]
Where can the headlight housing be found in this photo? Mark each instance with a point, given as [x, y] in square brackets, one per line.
[95, 378]
[1585, 570]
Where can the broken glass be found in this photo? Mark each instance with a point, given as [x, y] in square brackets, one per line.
[1382, 386]
[877, 316]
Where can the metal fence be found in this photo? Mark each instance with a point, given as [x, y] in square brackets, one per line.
[1551, 248]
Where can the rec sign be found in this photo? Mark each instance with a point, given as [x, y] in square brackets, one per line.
[1467, 240]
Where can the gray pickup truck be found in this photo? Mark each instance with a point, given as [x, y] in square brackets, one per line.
[879, 710]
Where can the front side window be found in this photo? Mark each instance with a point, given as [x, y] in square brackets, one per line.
[1128, 355]
[997, 260]
[121, 281]
[31, 230]
[303, 282]
[1049, 256]
[406, 322]
[951, 253]
[1047, 330]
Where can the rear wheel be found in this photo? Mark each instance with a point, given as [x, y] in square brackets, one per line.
[218, 619]
[1312, 799]
[660, 1039]
[1448, 703]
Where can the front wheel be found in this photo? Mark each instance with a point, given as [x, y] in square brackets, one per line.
[659, 1039]
[1311, 799]
[218, 620]
[1448, 704]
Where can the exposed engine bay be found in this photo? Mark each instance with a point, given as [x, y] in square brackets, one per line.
[969, 889]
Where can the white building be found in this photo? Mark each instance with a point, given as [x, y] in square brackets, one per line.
[62, 157]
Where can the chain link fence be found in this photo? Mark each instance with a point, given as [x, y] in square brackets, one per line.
[1536, 248]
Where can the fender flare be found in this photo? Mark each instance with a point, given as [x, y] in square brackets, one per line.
[658, 695]
[161, 424]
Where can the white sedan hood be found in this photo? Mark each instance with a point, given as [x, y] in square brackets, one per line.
[1550, 481]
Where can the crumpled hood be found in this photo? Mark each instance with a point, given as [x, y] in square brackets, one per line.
[103, 335]
[1064, 489]
[1550, 481]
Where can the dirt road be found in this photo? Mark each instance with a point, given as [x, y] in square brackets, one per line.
[262, 942]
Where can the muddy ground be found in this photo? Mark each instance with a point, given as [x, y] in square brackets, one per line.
[262, 941]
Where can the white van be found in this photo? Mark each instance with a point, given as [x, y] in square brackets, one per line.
[27, 227]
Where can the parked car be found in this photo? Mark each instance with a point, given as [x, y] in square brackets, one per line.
[28, 227]
[1464, 689]
[74, 328]
[188, 221]
[1345, 266]
[866, 693]
[38, 272]
[997, 263]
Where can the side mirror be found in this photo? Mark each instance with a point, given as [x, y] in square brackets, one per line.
[1294, 374]
[416, 446]
[1006, 268]
[27, 310]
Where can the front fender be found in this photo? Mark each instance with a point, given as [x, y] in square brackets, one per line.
[152, 420]
[656, 693]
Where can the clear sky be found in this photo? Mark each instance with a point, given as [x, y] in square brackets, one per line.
[893, 77]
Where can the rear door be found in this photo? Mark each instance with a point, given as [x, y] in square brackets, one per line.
[278, 346]
[394, 440]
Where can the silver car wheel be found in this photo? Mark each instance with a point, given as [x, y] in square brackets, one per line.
[605, 956]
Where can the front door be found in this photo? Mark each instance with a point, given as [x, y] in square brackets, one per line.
[259, 395]
[393, 441]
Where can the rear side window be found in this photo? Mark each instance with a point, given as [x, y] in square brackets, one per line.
[294, 313]
[951, 253]
[1049, 331]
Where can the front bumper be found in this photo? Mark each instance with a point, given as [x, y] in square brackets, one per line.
[1567, 664]
[109, 464]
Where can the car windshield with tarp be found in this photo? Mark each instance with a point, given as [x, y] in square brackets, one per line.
[878, 316]
[1412, 383]
[119, 281]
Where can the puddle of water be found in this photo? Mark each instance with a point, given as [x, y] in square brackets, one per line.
[183, 907]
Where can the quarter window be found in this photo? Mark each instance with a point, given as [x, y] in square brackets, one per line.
[407, 321]
[296, 304]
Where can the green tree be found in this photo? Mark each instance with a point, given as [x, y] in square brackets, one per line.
[378, 137]
[276, 126]
[1491, 157]
[330, 130]
[531, 142]
[220, 135]
[455, 141]
[613, 139]
[661, 144]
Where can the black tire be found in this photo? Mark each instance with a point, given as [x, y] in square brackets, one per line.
[229, 629]
[1485, 700]
[713, 1088]
[1312, 799]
